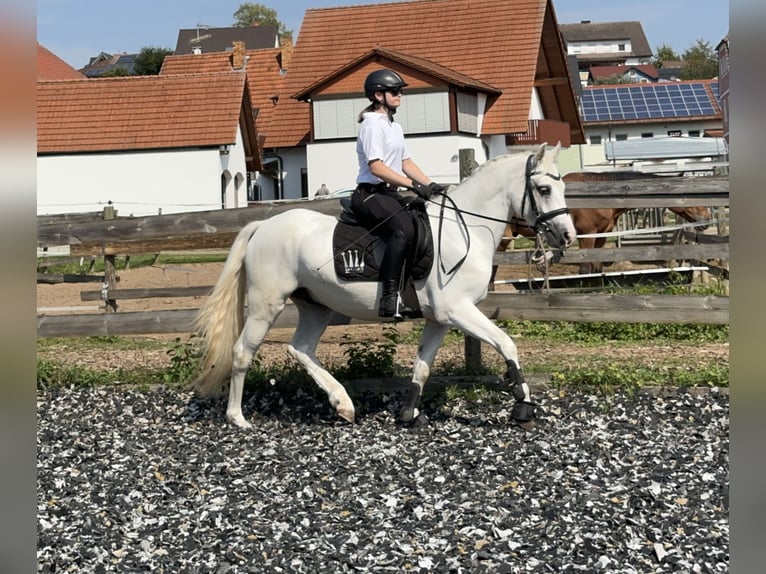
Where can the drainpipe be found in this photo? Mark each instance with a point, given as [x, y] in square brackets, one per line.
[280, 181]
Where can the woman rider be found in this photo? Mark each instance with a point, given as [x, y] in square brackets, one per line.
[385, 165]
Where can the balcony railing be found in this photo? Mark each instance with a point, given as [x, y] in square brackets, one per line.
[540, 131]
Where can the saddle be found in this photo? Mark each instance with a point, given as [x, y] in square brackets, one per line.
[354, 250]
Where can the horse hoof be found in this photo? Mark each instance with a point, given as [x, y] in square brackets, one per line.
[347, 414]
[240, 422]
[525, 425]
[419, 422]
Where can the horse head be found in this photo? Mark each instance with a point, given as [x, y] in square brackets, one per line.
[543, 205]
[693, 214]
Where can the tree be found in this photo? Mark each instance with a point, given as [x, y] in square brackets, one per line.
[665, 53]
[149, 61]
[701, 62]
[117, 72]
[250, 14]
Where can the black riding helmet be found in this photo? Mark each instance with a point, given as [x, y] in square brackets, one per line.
[381, 81]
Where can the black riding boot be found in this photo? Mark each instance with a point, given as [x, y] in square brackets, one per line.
[390, 276]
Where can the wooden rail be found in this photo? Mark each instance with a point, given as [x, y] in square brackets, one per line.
[504, 306]
[216, 229]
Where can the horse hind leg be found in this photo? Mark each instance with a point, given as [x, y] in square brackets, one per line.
[259, 320]
[430, 341]
[312, 322]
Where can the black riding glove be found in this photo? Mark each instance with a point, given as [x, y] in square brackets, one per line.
[426, 191]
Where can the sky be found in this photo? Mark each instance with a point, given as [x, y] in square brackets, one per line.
[76, 30]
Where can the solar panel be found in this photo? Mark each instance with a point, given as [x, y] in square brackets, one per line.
[647, 101]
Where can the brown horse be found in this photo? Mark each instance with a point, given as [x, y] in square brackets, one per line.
[589, 220]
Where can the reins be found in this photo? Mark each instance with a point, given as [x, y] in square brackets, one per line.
[540, 221]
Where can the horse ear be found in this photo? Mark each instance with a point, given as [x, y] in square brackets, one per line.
[556, 150]
[540, 152]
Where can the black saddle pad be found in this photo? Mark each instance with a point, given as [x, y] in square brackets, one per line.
[354, 248]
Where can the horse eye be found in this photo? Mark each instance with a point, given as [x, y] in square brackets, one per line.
[544, 189]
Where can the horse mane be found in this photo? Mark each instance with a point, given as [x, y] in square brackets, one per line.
[485, 165]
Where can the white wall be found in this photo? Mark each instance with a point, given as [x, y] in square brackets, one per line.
[335, 163]
[141, 183]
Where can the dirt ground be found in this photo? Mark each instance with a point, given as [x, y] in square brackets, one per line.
[65, 298]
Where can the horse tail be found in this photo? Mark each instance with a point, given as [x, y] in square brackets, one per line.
[221, 319]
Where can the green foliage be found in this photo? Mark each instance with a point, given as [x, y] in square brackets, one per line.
[596, 331]
[367, 358]
[149, 60]
[701, 62]
[52, 374]
[608, 378]
[252, 14]
[664, 53]
[121, 262]
[185, 360]
[610, 80]
[119, 71]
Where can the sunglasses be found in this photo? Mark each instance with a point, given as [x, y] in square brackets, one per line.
[395, 91]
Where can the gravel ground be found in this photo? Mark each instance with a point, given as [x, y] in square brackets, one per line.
[154, 481]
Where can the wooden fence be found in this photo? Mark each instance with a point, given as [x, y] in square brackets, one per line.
[94, 237]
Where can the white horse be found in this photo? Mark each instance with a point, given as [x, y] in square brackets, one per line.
[289, 256]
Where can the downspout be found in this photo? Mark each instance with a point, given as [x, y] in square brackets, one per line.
[280, 181]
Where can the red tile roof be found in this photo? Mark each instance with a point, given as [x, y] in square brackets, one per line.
[139, 112]
[51, 67]
[263, 70]
[496, 42]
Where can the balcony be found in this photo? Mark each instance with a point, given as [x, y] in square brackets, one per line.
[541, 131]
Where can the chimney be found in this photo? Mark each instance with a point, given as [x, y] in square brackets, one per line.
[285, 54]
[238, 55]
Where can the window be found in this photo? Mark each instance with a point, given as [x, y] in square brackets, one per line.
[620, 47]
[694, 133]
[647, 135]
[595, 140]
[674, 133]
[620, 137]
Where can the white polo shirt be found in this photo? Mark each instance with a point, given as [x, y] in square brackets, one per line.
[383, 139]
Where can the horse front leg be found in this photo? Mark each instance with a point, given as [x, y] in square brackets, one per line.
[430, 341]
[469, 319]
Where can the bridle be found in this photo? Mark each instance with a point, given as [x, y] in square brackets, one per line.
[540, 225]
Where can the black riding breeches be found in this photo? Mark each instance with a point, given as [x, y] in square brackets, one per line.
[382, 212]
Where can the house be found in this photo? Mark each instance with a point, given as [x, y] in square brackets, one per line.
[204, 40]
[265, 70]
[671, 70]
[103, 63]
[627, 74]
[145, 144]
[51, 67]
[606, 44]
[647, 111]
[482, 76]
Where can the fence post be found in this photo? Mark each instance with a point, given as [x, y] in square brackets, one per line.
[472, 347]
[110, 271]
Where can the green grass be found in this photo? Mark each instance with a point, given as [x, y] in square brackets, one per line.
[378, 358]
[66, 266]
